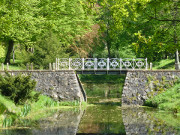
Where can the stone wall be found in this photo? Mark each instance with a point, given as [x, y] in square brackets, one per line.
[60, 85]
[137, 87]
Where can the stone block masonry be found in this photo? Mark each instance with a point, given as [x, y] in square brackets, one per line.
[137, 87]
[59, 85]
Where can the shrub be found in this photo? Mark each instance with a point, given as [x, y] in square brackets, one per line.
[17, 88]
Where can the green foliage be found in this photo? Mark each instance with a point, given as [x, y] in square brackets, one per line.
[117, 20]
[69, 103]
[145, 47]
[157, 29]
[2, 108]
[11, 114]
[167, 100]
[8, 105]
[102, 78]
[45, 101]
[109, 86]
[8, 121]
[17, 88]
[26, 21]
[2, 52]
[47, 50]
[158, 86]
[25, 110]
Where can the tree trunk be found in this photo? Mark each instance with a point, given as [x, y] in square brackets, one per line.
[9, 51]
[108, 42]
[175, 34]
[108, 48]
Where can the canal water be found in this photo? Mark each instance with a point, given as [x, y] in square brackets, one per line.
[104, 116]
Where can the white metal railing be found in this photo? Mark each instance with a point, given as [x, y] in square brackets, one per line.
[100, 63]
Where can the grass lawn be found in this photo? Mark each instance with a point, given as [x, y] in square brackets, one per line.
[164, 64]
[168, 100]
[17, 65]
[13, 115]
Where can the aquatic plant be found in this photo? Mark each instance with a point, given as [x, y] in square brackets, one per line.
[8, 121]
[25, 110]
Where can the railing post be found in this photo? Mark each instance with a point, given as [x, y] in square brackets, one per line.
[69, 63]
[2, 66]
[146, 64]
[95, 63]
[31, 66]
[7, 66]
[82, 63]
[50, 66]
[27, 66]
[133, 63]
[58, 64]
[107, 63]
[120, 66]
[54, 66]
[150, 65]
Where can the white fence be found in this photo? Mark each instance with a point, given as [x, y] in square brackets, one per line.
[100, 63]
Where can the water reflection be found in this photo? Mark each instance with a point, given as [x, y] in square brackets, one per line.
[60, 123]
[102, 119]
[142, 121]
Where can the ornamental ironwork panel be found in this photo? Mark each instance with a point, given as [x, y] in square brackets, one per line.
[76, 63]
[114, 63]
[101, 63]
[63, 63]
[90, 63]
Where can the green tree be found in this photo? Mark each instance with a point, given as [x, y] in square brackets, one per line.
[23, 21]
[18, 23]
[47, 49]
[114, 17]
[164, 19]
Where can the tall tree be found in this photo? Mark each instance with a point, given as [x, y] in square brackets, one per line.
[24, 21]
[18, 23]
[164, 17]
[113, 18]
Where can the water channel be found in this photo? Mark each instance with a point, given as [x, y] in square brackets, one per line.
[104, 116]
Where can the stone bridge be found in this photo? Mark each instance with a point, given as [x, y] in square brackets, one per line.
[64, 85]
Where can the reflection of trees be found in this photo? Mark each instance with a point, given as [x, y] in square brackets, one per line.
[102, 119]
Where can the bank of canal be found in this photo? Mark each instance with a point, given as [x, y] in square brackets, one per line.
[102, 116]
[102, 120]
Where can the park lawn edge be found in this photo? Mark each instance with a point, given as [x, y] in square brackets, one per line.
[167, 100]
[38, 110]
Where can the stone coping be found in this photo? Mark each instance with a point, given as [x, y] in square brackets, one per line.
[38, 71]
[166, 70]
